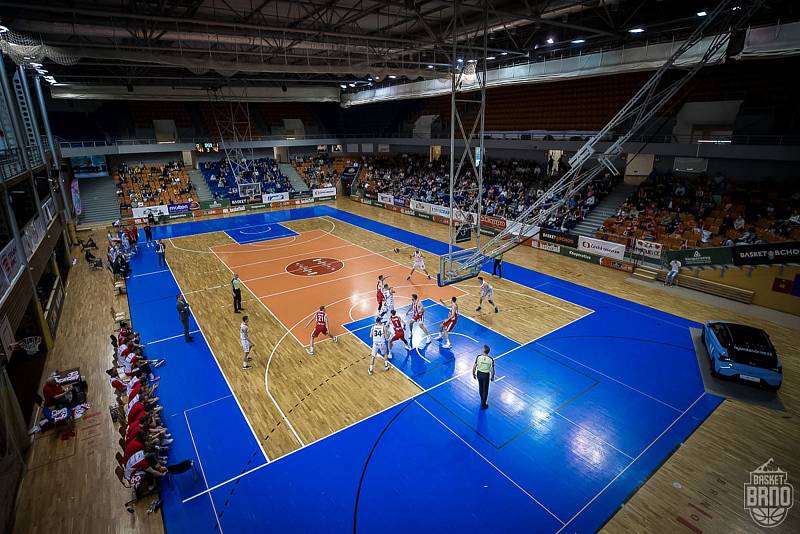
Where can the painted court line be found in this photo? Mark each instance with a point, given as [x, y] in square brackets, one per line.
[579, 512]
[168, 338]
[202, 471]
[148, 274]
[531, 497]
[207, 403]
[224, 377]
[620, 382]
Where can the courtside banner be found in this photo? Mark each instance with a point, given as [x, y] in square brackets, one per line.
[215, 204]
[242, 201]
[648, 249]
[700, 256]
[441, 211]
[766, 253]
[559, 238]
[157, 211]
[601, 248]
[268, 198]
[422, 207]
[324, 192]
[493, 222]
[386, 199]
[181, 207]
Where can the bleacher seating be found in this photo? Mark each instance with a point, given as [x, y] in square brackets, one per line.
[319, 171]
[689, 212]
[223, 184]
[152, 184]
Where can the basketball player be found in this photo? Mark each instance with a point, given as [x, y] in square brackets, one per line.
[449, 323]
[418, 265]
[321, 327]
[379, 334]
[417, 316]
[379, 291]
[399, 330]
[487, 291]
[244, 337]
[388, 300]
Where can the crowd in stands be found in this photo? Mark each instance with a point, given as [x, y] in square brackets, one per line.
[318, 171]
[152, 185]
[704, 210]
[224, 184]
[509, 186]
[144, 442]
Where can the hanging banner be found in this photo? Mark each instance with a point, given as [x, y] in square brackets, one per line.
[76, 196]
[648, 249]
[766, 253]
[324, 192]
[386, 199]
[601, 248]
[267, 198]
[157, 211]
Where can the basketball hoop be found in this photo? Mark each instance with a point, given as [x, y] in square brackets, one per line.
[29, 344]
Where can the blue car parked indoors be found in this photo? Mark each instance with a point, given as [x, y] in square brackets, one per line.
[742, 352]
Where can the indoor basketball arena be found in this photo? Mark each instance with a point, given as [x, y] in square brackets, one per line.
[414, 266]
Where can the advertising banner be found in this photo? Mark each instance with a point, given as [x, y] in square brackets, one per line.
[324, 192]
[648, 249]
[441, 211]
[766, 253]
[386, 199]
[493, 222]
[617, 264]
[401, 202]
[700, 257]
[157, 211]
[215, 204]
[181, 207]
[76, 196]
[601, 248]
[243, 201]
[559, 238]
[422, 207]
[268, 198]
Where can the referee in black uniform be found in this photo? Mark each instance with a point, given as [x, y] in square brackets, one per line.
[497, 266]
[483, 372]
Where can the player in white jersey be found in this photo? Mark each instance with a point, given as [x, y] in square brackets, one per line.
[388, 301]
[450, 322]
[418, 264]
[379, 335]
[487, 292]
[244, 337]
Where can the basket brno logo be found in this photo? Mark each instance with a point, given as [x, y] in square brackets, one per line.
[768, 496]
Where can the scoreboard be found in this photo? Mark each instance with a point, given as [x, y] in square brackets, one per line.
[202, 148]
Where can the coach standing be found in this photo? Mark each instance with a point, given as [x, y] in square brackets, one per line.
[148, 234]
[236, 285]
[183, 313]
[161, 252]
[483, 372]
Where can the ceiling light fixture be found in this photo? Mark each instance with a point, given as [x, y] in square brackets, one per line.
[392, 77]
[489, 58]
[460, 60]
[351, 84]
[636, 30]
[578, 41]
[503, 53]
[377, 78]
[550, 40]
[701, 13]
[343, 85]
[430, 66]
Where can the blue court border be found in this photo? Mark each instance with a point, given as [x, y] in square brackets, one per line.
[151, 311]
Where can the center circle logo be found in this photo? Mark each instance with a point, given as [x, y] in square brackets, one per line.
[314, 266]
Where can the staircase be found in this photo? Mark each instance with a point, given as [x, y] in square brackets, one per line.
[296, 181]
[605, 209]
[200, 185]
[98, 200]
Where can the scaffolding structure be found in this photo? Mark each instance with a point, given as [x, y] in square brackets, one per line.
[232, 118]
[714, 33]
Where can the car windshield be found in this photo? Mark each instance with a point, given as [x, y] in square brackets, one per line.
[751, 346]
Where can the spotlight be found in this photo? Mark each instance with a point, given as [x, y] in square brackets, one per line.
[550, 40]
[503, 53]
[472, 61]
[701, 13]
[430, 66]
[377, 78]
[351, 84]
[578, 41]
[343, 86]
[460, 60]
[636, 30]
[392, 76]
[489, 58]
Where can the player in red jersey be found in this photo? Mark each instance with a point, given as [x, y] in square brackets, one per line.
[417, 316]
[450, 322]
[379, 293]
[399, 330]
[321, 327]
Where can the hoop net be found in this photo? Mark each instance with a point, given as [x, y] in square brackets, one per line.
[249, 189]
[29, 344]
[452, 268]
